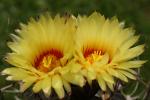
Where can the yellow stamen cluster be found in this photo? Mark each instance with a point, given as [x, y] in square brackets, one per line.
[95, 56]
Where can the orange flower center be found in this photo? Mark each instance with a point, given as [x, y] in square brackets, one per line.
[48, 60]
[92, 55]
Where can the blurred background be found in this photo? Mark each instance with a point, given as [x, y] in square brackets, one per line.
[135, 13]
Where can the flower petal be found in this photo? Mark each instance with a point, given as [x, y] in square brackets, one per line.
[57, 84]
[91, 74]
[27, 82]
[37, 86]
[131, 64]
[46, 86]
[66, 86]
[76, 79]
[101, 83]
[21, 73]
[129, 75]
[107, 77]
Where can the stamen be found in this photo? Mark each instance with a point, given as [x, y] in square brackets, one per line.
[92, 54]
[47, 61]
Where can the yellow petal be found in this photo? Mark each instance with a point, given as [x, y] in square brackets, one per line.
[21, 73]
[84, 72]
[66, 86]
[133, 52]
[129, 75]
[76, 79]
[89, 82]
[132, 40]
[107, 77]
[117, 74]
[101, 83]
[64, 70]
[131, 64]
[112, 71]
[27, 82]
[17, 60]
[46, 86]
[13, 46]
[122, 76]
[91, 74]
[57, 84]
[75, 67]
[37, 86]
[131, 71]
[110, 85]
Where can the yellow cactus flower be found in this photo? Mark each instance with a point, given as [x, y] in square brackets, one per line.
[106, 50]
[41, 54]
